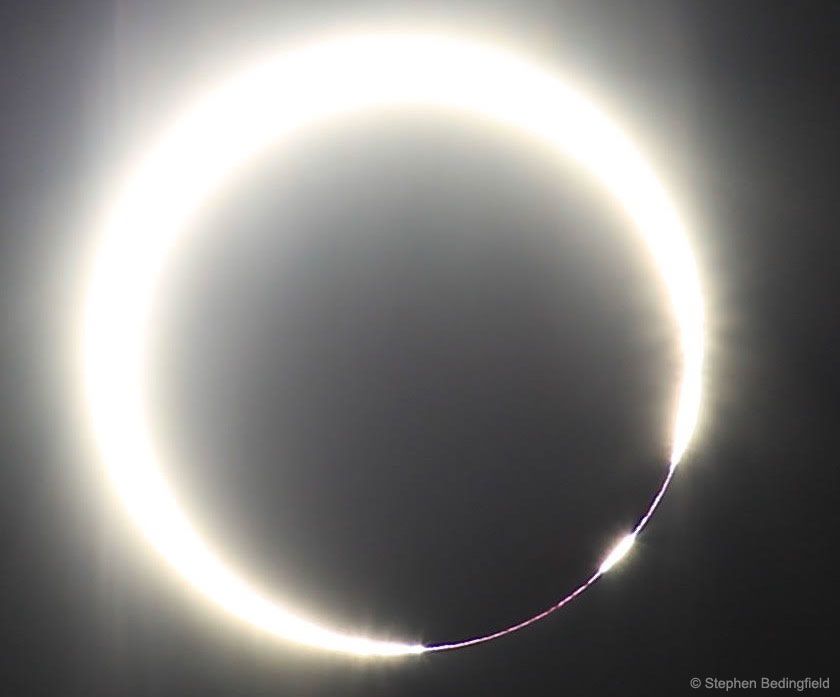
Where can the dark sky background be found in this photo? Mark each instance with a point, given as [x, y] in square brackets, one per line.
[418, 374]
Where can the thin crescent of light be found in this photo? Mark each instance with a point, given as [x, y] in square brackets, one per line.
[161, 194]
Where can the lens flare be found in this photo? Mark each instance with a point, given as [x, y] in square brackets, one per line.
[161, 193]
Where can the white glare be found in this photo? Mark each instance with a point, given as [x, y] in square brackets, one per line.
[203, 148]
[618, 553]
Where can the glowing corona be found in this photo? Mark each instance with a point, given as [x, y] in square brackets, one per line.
[264, 105]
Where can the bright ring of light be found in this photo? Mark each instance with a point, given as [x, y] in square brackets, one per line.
[262, 106]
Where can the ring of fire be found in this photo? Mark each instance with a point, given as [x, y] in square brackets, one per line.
[203, 147]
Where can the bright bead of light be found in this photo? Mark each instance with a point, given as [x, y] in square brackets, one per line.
[617, 553]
